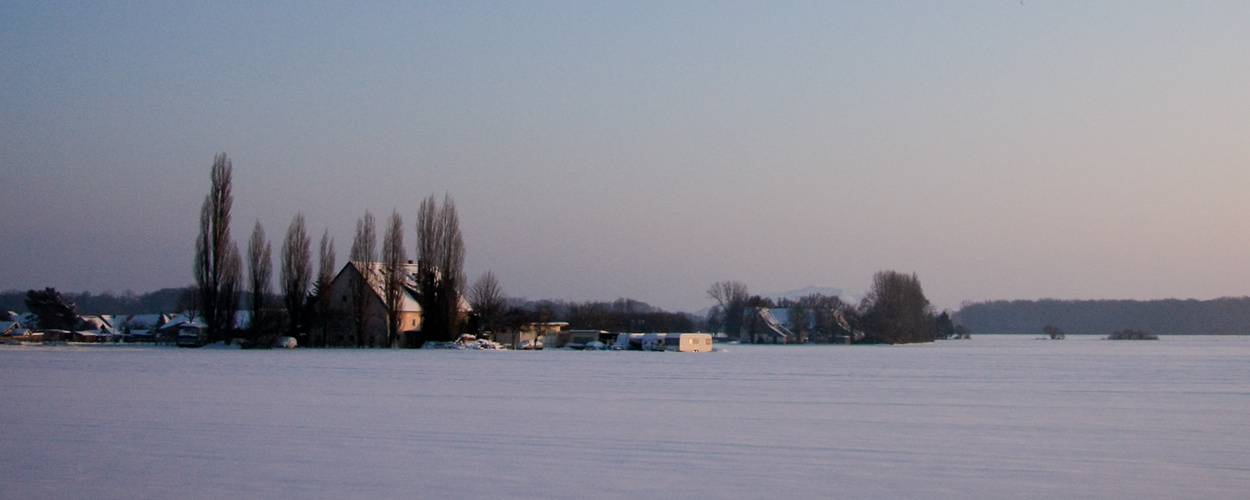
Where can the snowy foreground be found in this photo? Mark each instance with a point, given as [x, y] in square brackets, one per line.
[991, 417]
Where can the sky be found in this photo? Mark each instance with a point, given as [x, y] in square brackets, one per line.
[596, 150]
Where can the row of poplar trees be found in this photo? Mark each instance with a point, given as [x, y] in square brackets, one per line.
[220, 272]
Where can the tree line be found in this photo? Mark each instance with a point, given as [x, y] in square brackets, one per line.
[128, 302]
[1223, 316]
[620, 315]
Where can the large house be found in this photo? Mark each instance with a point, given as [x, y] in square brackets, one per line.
[339, 328]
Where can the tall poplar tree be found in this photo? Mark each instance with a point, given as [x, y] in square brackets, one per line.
[296, 272]
[393, 257]
[440, 250]
[217, 260]
[260, 274]
[363, 254]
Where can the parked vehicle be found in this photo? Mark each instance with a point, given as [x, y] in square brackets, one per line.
[191, 335]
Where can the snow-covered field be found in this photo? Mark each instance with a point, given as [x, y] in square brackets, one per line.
[991, 417]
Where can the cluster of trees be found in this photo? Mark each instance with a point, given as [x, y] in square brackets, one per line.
[52, 311]
[895, 311]
[1225, 316]
[220, 281]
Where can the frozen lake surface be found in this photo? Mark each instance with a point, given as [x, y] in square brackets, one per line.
[991, 417]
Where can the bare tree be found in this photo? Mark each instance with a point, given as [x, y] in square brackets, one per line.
[363, 253]
[325, 269]
[213, 252]
[296, 272]
[365, 244]
[440, 250]
[488, 301]
[393, 257]
[325, 274]
[189, 301]
[260, 273]
[731, 297]
[452, 266]
[800, 324]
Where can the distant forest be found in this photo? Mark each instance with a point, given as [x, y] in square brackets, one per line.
[165, 300]
[1225, 316]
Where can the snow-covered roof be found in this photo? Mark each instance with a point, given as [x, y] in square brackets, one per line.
[180, 317]
[95, 323]
[144, 321]
[181, 324]
[773, 324]
[375, 274]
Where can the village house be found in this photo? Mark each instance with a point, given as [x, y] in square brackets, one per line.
[9, 328]
[762, 326]
[140, 327]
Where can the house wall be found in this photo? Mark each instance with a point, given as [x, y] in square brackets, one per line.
[340, 325]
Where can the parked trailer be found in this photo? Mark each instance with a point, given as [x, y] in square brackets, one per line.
[688, 342]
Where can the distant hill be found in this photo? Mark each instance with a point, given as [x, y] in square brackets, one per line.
[1225, 316]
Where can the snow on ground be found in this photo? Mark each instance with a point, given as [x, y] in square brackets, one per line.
[991, 417]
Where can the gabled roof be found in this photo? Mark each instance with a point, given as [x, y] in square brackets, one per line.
[92, 322]
[375, 275]
[773, 324]
[144, 321]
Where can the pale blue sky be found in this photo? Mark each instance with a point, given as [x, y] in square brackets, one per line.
[646, 150]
